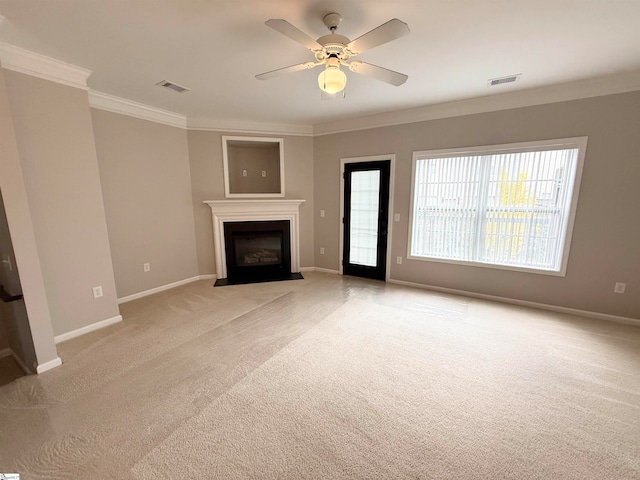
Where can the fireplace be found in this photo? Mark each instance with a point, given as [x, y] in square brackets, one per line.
[228, 214]
[257, 251]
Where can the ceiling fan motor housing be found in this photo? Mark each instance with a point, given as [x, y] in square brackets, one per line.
[333, 44]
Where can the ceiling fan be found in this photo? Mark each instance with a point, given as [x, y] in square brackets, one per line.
[334, 50]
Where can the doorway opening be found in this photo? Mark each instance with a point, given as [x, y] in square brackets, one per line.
[16, 343]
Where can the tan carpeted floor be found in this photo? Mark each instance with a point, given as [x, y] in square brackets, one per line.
[331, 377]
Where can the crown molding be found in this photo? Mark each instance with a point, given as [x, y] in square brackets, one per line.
[235, 126]
[24, 61]
[563, 92]
[111, 103]
[30, 63]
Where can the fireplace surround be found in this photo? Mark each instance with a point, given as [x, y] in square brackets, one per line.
[235, 211]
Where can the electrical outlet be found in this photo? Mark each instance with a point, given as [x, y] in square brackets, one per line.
[396, 217]
[264, 173]
[399, 260]
[321, 250]
[620, 287]
[97, 291]
[244, 173]
[322, 213]
[146, 267]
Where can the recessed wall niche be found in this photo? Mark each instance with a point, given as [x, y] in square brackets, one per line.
[253, 167]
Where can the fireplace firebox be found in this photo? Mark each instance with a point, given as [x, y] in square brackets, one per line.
[257, 251]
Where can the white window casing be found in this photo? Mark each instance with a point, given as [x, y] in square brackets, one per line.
[501, 206]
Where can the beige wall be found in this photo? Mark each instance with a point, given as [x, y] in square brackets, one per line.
[56, 147]
[207, 181]
[605, 246]
[254, 161]
[144, 169]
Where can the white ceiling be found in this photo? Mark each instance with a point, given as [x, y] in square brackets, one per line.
[215, 47]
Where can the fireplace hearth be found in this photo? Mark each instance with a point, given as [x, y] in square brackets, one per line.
[257, 251]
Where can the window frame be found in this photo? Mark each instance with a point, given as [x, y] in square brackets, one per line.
[574, 188]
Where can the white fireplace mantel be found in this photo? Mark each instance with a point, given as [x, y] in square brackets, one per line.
[253, 211]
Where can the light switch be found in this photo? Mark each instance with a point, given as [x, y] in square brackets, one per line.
[264, 173]
[244, 173]
[396, 217]
[322, 213]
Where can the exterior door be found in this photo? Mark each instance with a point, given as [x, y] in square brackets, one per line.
[366, 216]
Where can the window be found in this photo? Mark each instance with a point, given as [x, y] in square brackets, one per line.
[507, 206]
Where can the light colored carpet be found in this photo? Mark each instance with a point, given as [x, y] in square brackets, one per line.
[377, 392]
[332, 377]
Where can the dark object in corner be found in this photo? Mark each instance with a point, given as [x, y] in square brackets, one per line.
[7, 297]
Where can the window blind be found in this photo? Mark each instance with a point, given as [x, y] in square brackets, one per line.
[498, 208]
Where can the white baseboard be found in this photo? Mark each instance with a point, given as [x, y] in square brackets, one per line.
[523, 303]
[318, 269]
[208, 276]
[43, 367]
[162, 288]
[87, 329]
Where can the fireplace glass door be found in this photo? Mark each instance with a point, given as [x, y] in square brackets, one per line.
[259, 249]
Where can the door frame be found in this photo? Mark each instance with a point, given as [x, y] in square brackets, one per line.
[374, 158]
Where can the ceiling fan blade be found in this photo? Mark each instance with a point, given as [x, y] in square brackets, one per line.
[282, 71]
[293, 33]
[384, 33]
[383, 74]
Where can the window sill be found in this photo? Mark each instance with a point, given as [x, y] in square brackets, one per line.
[539, 271]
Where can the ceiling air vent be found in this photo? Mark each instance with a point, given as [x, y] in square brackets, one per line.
[172, 86]
[492, 82]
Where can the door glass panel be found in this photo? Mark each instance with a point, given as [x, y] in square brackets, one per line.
[365, 195]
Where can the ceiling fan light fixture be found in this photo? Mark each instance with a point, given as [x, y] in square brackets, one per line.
[332, 80]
